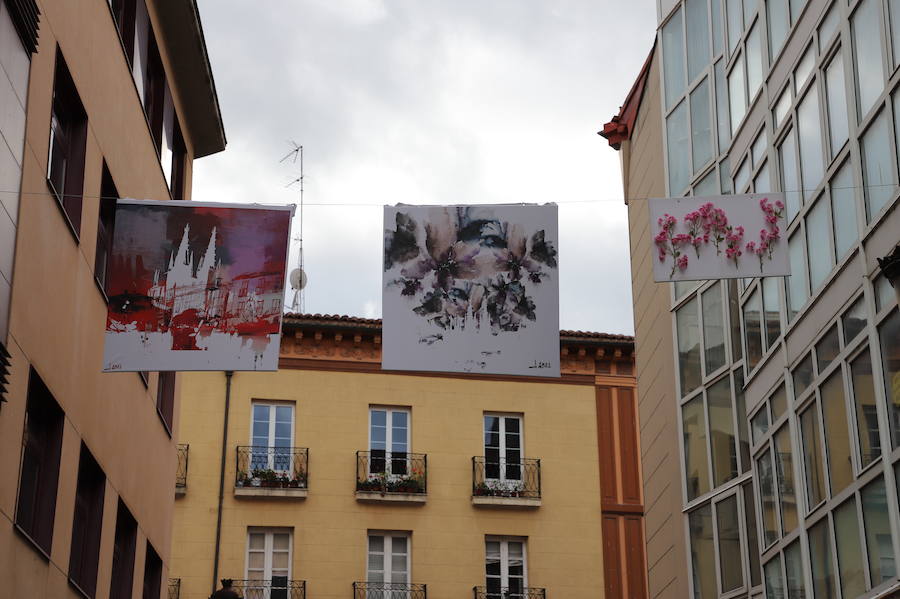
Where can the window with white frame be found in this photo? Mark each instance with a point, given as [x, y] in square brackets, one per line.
[388, 558]
[272, 435]
[389, 440]
[269, 562]
[503, 447]
[505, 568]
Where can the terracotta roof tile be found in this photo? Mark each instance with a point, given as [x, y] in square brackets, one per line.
[337, 320]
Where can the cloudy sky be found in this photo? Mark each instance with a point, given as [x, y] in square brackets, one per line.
[429, 102]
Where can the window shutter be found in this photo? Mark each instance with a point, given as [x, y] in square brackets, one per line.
[26, 18]
[5, 363]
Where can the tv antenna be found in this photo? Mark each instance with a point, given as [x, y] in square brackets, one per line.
[298, 275]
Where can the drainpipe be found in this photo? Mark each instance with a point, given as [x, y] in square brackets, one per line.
[215, 574]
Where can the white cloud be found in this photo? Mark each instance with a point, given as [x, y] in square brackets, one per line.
[430, 102]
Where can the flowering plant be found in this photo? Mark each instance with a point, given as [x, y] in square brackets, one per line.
[710, 225]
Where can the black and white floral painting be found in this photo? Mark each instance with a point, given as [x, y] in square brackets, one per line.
[471, 289]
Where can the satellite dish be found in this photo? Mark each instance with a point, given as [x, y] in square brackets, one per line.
[298, 279]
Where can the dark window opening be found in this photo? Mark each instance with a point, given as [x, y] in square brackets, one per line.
[179, 156]
[165, 398]
[123, 554]
[152, 574]
[105, 226]
[124, 12]
[87, 523]
[155, 93]
[68, 137]
[39, 475]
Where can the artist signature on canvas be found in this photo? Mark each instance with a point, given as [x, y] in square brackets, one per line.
[539, 364]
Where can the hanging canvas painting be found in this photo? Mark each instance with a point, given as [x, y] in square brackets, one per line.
[471, 289]
[195, 286]
[720, 237]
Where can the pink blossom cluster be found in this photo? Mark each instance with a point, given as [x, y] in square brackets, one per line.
[733, 238]
[668, 244]
[769, 236]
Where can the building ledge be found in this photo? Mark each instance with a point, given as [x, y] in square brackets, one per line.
[289, 493]
[526, 502]
[378, 497]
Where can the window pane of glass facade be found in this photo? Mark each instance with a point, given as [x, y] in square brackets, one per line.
[767, 505]
[673, 59]
[697, 36]
[743, 431]
[774, 581]
[793, 568]
[688, 329]
[759, 424]
[677, 142]
[713, 328]
[695, 457]
[829, 25]
[754, 60]
[701, 125]
[778, 401]
[854, 320]
[771, 309]
[782, 107]
[752, 539]
[878, 170]
[889, 334]
[837, 104]
[812, 457]
[728, 524]
[876, 522]
[810, 131]
[790, 176]
[734, 14]
[802, 376]
[708, 185]
[837, 438]
[843, 209]
[723, 121]
[818, 227]
[784, 470]
[820, 560]
[762, 183]
[804, 68]
[703, 557]
[737, 93]
[827, 349]
[849, 551]
[865, 25]
[894, 9]
[798, 292]
[742, 177]
[779, 24]
[866, 411]
[718, 30]
[884, 293]
[752, 327]
[721, 430]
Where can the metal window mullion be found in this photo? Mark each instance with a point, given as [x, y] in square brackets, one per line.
[709, 448]
[702, 337]
[835, 563]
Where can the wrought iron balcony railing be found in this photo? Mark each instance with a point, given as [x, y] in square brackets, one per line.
[278, 467]
[379, 471]
[388, 590]
[277, 588]
[506, 478]
[181, 473]
[174, 588]
[509, 593]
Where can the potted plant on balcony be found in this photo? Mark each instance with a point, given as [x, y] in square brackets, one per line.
[298, 482]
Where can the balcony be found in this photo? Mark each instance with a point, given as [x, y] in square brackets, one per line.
[391, 477]
[509, 593]
[501, 482]
[388, 590]
[277, 588]
[181, 473]
[174, 588]
[272, 472]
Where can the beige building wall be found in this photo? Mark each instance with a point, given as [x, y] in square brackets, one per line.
[331, 378]
[643, 176]
[58, 311]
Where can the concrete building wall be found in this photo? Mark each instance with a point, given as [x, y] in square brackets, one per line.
[57, 312]
[643, 168]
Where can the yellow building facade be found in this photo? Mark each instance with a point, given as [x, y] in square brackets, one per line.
[334, 479]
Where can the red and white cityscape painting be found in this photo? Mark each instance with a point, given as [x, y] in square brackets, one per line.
[196, 286]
